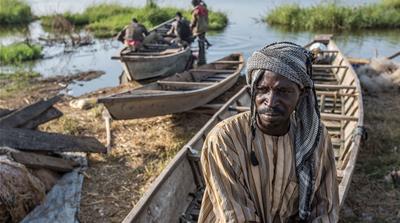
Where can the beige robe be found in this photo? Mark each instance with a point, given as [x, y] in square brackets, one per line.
[237, 191]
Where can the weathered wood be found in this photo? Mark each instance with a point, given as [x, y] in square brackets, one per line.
[212, 71]
[49, 114]
[394, 55]
[321, 66]
[322, 104]
[24, 139]
[181, 83]
[4, 112]
[333, 87]
[107, 119]
[336, 94]
[227, 62]
[37, 161]
[27, 113]
[334, 117]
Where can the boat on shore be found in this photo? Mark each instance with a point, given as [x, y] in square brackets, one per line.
[156, 60]
[178, 93]
[176, 194]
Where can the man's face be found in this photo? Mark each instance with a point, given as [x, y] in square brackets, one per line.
[276, 99]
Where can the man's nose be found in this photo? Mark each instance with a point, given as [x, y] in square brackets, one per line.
[272, 99]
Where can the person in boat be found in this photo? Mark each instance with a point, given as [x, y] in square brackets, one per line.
[135, 34]
[137, 37]
[274, 163]
[199, 27]
[179, 32]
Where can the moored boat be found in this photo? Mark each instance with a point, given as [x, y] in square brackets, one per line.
[157, 60]
[176, 194]
[178, 93]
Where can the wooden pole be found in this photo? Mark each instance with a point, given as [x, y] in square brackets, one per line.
[107, 120]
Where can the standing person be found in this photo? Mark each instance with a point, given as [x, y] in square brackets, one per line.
[274, 163]
[199, 26]
[180, 32]
[135, 34]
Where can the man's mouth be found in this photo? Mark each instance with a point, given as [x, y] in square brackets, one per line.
[269, 115]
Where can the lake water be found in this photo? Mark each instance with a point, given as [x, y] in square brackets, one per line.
[244, 34]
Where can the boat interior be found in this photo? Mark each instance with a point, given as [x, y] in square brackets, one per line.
[193, 79]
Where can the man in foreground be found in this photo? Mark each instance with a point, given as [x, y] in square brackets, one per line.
[274, 163]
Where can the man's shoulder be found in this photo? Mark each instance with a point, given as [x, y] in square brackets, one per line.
[234, 122]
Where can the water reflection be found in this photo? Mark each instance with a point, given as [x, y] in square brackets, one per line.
[244, 34]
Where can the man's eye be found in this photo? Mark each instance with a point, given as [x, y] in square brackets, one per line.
[262, 90]
[285, 90]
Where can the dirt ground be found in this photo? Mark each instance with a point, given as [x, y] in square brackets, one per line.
[114, 182]
[374, 196]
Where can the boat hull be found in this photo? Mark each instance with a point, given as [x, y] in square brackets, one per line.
[141, 107]
[140, 68]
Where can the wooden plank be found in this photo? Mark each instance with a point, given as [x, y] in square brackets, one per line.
[328, 51]
[181, 83]
[25, 114]
[4, 112]
[322, 104]
[336, 94]
[37, 161]
[49, 114]
[394, 55]
[227, 62]
[212, 71]
[334, 117]
[24, 139]
[333, 87]
[322, 66]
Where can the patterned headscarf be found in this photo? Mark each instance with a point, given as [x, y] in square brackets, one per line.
[293, 62]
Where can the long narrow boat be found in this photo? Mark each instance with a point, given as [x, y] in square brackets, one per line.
[176, 194]
[157, 60]
[178, 93]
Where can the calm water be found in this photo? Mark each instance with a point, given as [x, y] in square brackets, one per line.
[244, 34]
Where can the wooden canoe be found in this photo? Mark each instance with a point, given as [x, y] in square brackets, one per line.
[157, 60]
[178, 93]
[176, 194]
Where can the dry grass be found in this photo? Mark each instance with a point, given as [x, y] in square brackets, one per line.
[372, 198]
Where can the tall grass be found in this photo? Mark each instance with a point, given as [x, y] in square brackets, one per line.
[19, 52]
[105, 20]
[385, 14]
[15, 12]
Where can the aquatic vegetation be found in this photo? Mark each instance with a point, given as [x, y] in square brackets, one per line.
[385, 14]
[19, 52]
[106, 20]
[15, 12]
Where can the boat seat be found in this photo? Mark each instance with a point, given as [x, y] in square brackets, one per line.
[185, 85]
[212, 71]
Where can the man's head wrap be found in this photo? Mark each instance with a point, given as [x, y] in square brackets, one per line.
[293, 62]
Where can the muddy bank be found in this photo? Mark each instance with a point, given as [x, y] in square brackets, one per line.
[29, 87]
